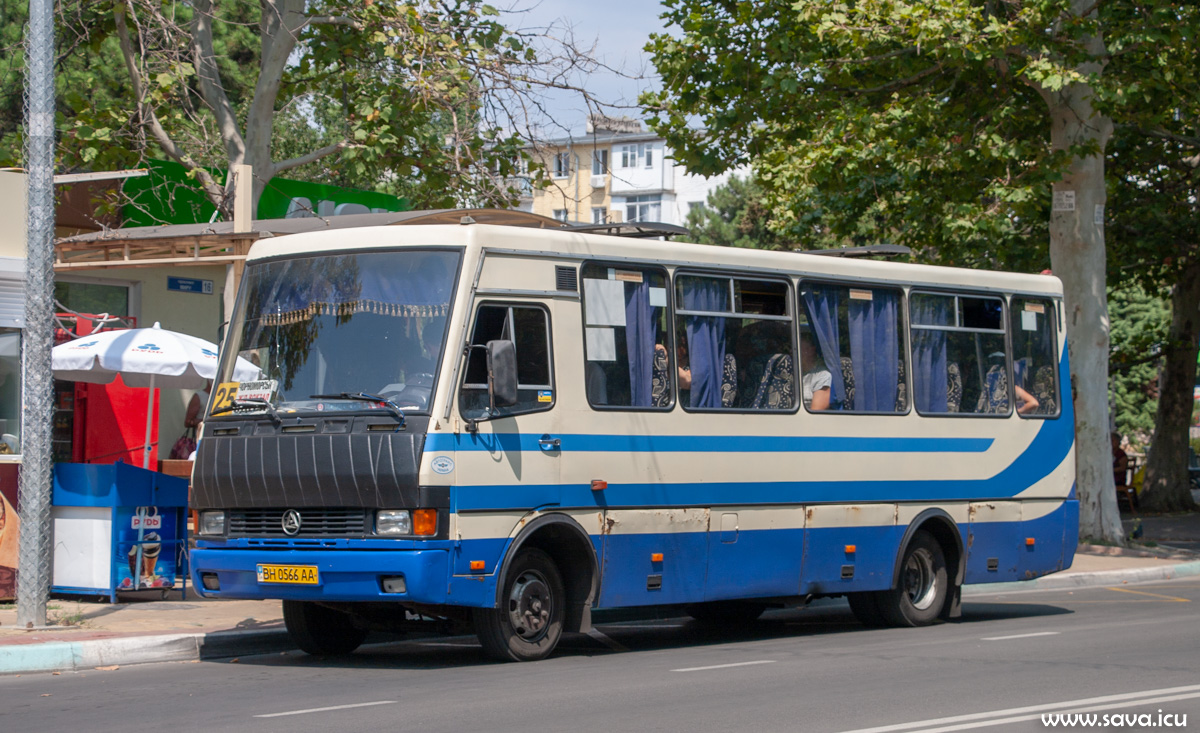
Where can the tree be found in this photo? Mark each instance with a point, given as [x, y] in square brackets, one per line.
[1156, 216]
[430, 100]
[969, 129]
[735, 215]
[1139, 329]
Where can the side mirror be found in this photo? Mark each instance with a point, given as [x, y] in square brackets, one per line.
[502, 373]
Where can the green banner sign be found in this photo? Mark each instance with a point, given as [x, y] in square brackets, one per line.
[169, 196]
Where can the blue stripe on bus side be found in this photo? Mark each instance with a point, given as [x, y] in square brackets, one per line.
[584, 442]
[1043, 455]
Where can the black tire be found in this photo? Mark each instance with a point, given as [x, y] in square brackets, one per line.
[921, 591]
[321, 631]
[726, 613]
[865, 607]
[527, 624]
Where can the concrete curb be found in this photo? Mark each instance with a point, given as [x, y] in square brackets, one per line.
[1069, 580]
[73, 656]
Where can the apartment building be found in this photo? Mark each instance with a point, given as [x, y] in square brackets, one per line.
[617, 172]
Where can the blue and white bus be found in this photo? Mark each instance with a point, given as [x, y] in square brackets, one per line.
[512, 426]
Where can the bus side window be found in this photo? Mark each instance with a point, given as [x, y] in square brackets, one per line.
[627, 350]
[958, 355]
[736, 343]
[1034, 336]
[851, 344]
[527, 328]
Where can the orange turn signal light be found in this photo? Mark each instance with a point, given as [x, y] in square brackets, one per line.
[599, 484]
[1029, 542]
[656, 557]
[851, 549]
[477, 565]
[424, 522]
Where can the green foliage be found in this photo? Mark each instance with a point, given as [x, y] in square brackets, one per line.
[916, 122]
[735, 215]
[1139, 327]
[400, 89]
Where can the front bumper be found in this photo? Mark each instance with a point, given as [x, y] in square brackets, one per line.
[342, 575]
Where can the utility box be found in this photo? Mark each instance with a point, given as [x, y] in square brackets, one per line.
[117, 528]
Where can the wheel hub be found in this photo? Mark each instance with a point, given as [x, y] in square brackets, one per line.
[920, 580]
[529, 606]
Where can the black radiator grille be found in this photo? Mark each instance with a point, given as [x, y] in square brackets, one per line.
[313, 523]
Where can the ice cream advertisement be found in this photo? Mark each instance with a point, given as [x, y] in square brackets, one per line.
[155, 565]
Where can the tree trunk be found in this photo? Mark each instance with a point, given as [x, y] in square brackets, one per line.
[1078, 258]
[1166, 487]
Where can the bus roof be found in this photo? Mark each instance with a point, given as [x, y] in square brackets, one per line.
[573, 245]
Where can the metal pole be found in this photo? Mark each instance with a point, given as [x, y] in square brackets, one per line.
[33, 552]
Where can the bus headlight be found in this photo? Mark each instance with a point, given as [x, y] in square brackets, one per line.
[393, 522]
[211, 523]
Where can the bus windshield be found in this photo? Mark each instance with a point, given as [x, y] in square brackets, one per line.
[352, 324]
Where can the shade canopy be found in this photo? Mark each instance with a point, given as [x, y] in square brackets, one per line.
[143, 357]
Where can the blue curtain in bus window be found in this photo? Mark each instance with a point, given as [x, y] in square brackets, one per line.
[706, 338]
[822, 304]
[875, 351]
[391, 283]
[1021, 372]
[641, 320]
[930, 389]
[423, 280]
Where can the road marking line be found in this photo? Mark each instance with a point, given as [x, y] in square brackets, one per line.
[1036, 716]
[976, 720]
[607, 640]
[331, 707]
[724, 666]
[1175, 599]
[1019, 636]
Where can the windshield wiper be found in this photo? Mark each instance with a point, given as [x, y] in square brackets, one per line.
[392, 407]
[248, 403]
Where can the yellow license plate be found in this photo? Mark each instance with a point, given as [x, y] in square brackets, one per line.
[288, 574]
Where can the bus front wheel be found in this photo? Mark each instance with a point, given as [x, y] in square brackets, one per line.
[321, 631]
[865, 606]
[528, 621]
[921, 591]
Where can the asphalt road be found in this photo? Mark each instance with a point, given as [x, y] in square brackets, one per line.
[1131, 650]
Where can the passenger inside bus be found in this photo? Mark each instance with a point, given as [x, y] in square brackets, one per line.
[814, 385]
[994, 397]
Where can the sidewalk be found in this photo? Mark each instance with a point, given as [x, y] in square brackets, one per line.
[84, 635]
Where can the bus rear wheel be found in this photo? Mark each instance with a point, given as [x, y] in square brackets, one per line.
[527, 624]
[321, 631]
[919, 595]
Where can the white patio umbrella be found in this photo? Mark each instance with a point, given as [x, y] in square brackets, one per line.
[144, 357]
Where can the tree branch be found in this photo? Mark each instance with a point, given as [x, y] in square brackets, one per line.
[898, 84]
[281, 22]
[314, 156]
[335, 20]
[209, 78]
[211, 188]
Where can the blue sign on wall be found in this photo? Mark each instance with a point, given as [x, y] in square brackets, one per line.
[188, 285]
